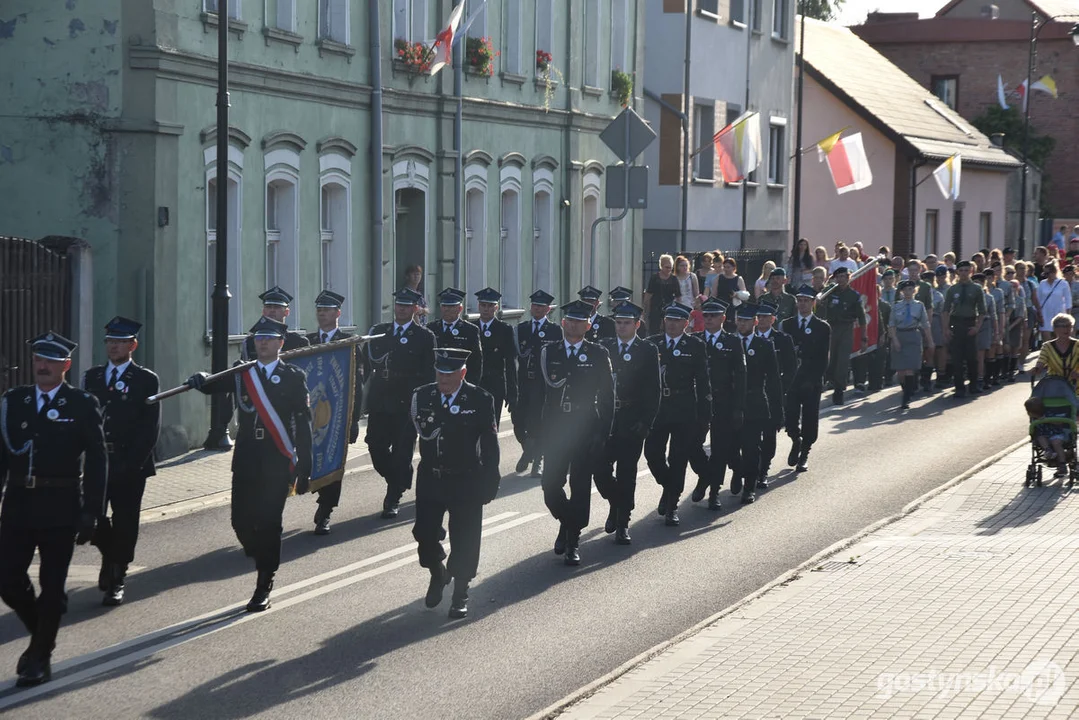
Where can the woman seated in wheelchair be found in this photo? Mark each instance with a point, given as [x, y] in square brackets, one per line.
[1053, 402]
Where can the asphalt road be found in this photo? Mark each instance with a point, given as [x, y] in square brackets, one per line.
[348, 634]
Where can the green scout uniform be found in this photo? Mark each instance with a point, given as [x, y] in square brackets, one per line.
[965, 304]
[842, 309]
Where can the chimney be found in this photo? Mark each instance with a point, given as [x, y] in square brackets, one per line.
[990, 12]
[997, 139]
[876, 18]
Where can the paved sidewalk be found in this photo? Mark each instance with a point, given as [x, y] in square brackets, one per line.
[963, 608]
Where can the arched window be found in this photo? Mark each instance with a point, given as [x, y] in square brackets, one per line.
[475, 232]
[335, 228]
[233, 218]
[589, 213]
[510, 237]
[543, 227]
[411, 185]
[282, 164]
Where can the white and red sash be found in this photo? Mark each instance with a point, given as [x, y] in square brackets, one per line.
[269, 416]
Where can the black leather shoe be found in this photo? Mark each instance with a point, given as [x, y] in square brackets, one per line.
[573, 541]
[762, 483]
[621, 536]
[560, 541]
[837, 398]
[439, 580]
[522, 464]
[803, 461]
[537, 469]
[796, 449]
[661, 510]
[713, 503]
[698, 492]
[672, 520]
[736, 484]
[459, 603]
[322, 520]
[260, 600]
[573, 557]
[749, 499]
[114, 596]
[390, 509]
[612, 521]
[36, 671]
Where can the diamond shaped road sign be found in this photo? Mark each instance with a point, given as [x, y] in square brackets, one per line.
[628, 125]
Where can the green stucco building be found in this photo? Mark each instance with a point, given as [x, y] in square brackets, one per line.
[108, 135]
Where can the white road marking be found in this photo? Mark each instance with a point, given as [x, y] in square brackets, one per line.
[231, 615]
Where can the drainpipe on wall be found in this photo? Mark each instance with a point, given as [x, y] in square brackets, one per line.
[684, 239]
[745, 109]
[459, 163]
[566, 205]
[377, 209]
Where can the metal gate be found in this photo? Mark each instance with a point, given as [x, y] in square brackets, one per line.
[35, 296]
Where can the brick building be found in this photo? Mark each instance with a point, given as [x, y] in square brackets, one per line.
[959, 53]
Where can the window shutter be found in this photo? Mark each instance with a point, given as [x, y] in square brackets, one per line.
[670, 142]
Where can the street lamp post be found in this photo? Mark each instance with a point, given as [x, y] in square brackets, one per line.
[1035, 32]
[220, 411]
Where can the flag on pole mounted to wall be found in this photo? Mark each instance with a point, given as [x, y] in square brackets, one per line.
[948, 176]
[1002, 97]
[738, 147]
[847, 162]
[1047, 85]
[443, 45]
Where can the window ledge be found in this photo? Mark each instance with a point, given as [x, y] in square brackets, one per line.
[325, 45]
[752, 183]
[709, 182]
[591, 91]
[777, 186]
[757, 32]
[708, 14]
[512, 78]
[780, 39]
[541, 82]
[283, 36]
[209, 20]
[736, 24]
[473, 74]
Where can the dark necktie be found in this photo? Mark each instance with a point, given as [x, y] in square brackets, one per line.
[573, 351]
[746, 340]
[45, 400]
[670, 344]
[262, 372]
[805, 321]
[112, 377]
[535, 326]
[445, 401]
[399, 332]
[325, 338]
[622, 347]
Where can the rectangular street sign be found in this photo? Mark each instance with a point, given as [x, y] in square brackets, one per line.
[616, 189]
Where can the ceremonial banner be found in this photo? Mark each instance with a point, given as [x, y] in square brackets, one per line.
[738, 147]
[847, 162]
[865, 284]
[330, 378]
[949, 176]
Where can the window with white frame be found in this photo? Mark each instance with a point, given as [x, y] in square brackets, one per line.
[542, 228]
[592, 36]
[281, 14]
[282, 234]
[210, 6]
[510, 237]
[620, 35]
[234, 191]
[779, 19]
[478, 28]
[333, 20]
[335, 227]
[777, 151]
[544, 29]
[704, 128]
[410, 20]
[709, 7]
[511, 38]
[475, 231]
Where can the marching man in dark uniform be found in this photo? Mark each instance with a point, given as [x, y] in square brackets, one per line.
[499, 353]
[531, 335]
[599, 326]
[53, 465]
[635, 365]
[458, 474]
[727, 380]
[685, 408]
[842, 310]
[578, 412]
[275, 305]
[764, 401]
[131, 428]
[784, 347]
[328, 312]
[455, 332]
[811, 341]
[273, 449]
[962, 316]
[618, 296]
[397, 363]
[777, 297]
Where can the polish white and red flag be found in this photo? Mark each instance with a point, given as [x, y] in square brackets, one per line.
[443, 45]
[847, 162]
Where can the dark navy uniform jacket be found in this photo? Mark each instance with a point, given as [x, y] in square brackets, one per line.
[131, 426]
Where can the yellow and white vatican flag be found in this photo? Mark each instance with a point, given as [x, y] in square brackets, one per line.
[948, 176]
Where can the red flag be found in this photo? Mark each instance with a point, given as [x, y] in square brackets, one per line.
[866, 286]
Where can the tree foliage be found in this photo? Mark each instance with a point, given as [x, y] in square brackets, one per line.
[826, 10]
[996, 119]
